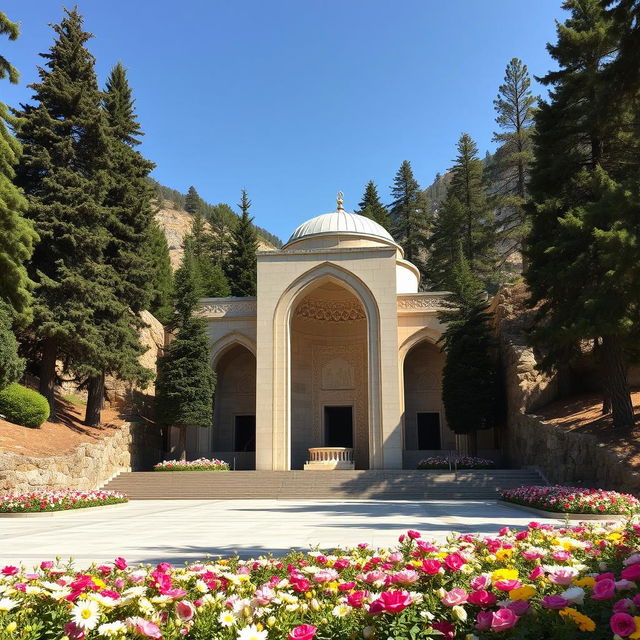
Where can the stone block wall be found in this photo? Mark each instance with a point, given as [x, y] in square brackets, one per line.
[132, 446]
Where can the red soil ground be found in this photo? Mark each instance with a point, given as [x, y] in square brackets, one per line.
[54, 438]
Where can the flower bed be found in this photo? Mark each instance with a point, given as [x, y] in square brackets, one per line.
[460, 462]
[513, 584]
[559, 499]
[61, 500]
[201, 464]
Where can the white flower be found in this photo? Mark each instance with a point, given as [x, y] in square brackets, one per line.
[201, 586]
[341, 610]
[117, 628]
[251, 633]
[459, 613]
[145, 606]
[6, 604]
[86, 614]
[227, 618]
[574, 595]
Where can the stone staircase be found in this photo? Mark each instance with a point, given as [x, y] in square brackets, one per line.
[325, 485]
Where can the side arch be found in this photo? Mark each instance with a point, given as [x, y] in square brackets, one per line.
[228, 341]
[281, 419]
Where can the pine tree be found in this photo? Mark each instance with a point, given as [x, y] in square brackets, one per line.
[465, 217]
[186, 381]
[512, 161]
[11, 365]
[409, 214]
[242, 264]
[129, 216]
[371, 207]
[585, 243]
[193, 202]
[161, 274]
[17, 237]
[63, 171]
[469, 377]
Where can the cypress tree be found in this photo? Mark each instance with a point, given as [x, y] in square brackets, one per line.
[161, 274]
[242, 264]
[371, 207]
[469, 377]
[465, 218]
[585, 242]
[63, 171]
[409, 214]
[17, 237]
[186, 381]
[512, 161]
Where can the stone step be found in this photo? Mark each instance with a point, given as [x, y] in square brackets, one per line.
[382, 484]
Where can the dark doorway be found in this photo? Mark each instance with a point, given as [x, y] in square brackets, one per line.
[338, 427]
[429, 431]
[245, 433]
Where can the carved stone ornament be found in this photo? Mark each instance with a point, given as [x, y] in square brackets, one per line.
[330, 310]
[421, 302]
[227, 308]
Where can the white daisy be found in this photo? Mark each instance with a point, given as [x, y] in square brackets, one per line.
[341, 610]
[227, 618]
[251, 633]
[6, 604]
[117, 628]
[86, 614]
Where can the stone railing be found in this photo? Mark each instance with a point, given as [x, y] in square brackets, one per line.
[330, 454]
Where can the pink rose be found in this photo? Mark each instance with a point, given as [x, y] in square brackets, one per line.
[530, 555]
[356, 599]
[554, 602]
[623, 606]
[46, 564]
[480, 582]
[622, 624]
[455, 561]
[395, 601]
[185, 610]
[431, 566]
[519, 607]
[483, 620]
[508, 585]
[454, 597]
[561, 556]
[145, 627]
[632, 572]
[120, 563]
[564, 575]
[482, 598]
[445, 628]
[406, 576]
[503, 619]
[302, 632]
[413, 534]
[73, 631]
[10, 570]
[536, 573]
[604, 589]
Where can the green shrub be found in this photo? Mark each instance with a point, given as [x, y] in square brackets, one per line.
[23, 406]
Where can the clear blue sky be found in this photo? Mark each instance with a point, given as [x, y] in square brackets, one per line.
[296, 99]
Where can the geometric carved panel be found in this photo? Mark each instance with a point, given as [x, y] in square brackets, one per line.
[338, 374]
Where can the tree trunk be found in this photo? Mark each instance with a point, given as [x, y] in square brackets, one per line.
[472, 443]
[48, 375]
[95, 400]
[182, 442]
[606, 404]
[617, 385]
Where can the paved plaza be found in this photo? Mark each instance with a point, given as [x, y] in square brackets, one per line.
[187, 530]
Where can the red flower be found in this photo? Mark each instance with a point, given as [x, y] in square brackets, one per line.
[394, 601]
[454, 561]
[302, 632]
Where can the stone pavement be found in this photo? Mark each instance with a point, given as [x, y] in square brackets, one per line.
[188, 530]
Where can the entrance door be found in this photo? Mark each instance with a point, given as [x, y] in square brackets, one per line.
[245, 433]
[338, 427]
[429, 431]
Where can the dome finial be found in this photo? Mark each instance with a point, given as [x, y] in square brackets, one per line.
[340, 196]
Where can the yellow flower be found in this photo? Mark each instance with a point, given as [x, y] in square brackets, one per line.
[614, 537]
[587, 581]
[504, 574]
[12, 626]
[523, 593]
[583, 622]
[636, 633]
[502, 555]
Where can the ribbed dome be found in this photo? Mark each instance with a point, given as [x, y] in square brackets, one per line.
[341, 223]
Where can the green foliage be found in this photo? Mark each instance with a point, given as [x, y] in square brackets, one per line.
[23, 406]
[242, 265]
[17, 237]
[186, 291]
[512, 161]
[584, 245]
[186, 382]
[11, 365]
[193, 202]
[409, 213]
[371, 207]
[161, 274]
[465, 219]
[469, 377]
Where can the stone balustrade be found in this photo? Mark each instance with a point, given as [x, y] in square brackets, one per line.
[329, 458]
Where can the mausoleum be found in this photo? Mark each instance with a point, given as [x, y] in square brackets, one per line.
[334, 363]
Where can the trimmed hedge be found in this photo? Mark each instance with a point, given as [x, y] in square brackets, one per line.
[23, 406]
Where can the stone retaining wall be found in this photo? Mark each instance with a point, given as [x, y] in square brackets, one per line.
[132, 446]
[564, 456]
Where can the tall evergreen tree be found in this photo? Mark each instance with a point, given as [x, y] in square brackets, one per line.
[371, 207]
[193, 203]
[469, 377]
[11, 365]
[63, 171]
[186, 382]
[129, 216]
[409, 214]
[585, 241]
[17, 237]
[161, 274]
[242, 264]
[512, 161]
[465, 218]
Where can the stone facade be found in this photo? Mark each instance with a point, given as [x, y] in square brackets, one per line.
[131, 446]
